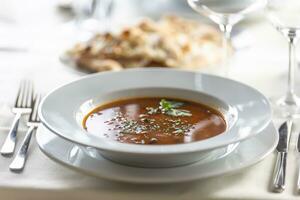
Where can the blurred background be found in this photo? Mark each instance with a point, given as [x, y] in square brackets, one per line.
[33, 35]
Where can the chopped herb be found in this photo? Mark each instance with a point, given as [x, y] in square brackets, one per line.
[151, 110]
[179, 112]
[146, 120]
[170, 108]
[143, 115]
[146, 123]
[168, 105]
[178, 131]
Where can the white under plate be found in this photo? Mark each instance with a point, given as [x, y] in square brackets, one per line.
[71, 155]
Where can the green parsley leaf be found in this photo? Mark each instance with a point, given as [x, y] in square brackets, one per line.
[179, 112]
[170, 108]
[168, 105]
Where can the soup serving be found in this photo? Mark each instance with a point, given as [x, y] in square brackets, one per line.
[154, 120]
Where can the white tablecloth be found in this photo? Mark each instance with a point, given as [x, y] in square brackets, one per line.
[38, 28]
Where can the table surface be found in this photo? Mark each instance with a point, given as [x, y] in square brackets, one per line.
[40, 29]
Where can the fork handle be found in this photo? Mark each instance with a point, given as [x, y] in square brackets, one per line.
[18, 162]
[279, 173]
[10, 141]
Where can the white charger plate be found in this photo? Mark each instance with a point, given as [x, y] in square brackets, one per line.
[71, 155]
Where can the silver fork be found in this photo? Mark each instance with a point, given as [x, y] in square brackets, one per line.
[22, 106]
[19, 161]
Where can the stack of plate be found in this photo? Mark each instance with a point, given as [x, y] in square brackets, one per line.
[250, 134]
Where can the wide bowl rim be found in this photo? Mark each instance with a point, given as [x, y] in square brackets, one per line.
[152, 149]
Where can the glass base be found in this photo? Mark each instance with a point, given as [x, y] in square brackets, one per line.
[286, 107]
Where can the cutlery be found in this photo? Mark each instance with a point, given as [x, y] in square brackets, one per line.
[22, 106]
[282, 150]
[12, 49]
[298, 149]
[20, 159]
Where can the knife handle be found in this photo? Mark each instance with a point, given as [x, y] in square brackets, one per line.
[279, 172]
[298, 180]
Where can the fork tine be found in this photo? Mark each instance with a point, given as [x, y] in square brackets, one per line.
[25, 95]
[34, 114]
[30, 95]
[20, 94]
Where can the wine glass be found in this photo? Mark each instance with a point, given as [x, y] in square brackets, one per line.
[284, 16]
[90, 16]
[226, 13]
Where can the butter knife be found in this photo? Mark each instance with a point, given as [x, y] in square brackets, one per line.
[298, 149]
[282, 150]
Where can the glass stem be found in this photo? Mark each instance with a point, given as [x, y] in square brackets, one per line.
[290, 97]
[226, 30]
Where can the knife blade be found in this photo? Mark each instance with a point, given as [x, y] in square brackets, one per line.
[282, 151]
[283, 142]
[298, 143]
[298, 149]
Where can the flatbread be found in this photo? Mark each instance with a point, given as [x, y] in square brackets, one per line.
[172, 42]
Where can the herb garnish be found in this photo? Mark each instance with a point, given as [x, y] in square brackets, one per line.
[171, 108]
[146, 124]
[151, 110]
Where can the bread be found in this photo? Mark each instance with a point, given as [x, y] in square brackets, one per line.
[169, 42]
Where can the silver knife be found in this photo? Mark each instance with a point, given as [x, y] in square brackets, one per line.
[298, 149]
[282, 150]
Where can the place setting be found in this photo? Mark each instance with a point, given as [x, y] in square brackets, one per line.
[157, 102]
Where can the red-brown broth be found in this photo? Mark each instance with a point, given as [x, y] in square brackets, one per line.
[129, 121]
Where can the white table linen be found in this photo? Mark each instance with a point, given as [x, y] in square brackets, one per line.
[263, 66]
